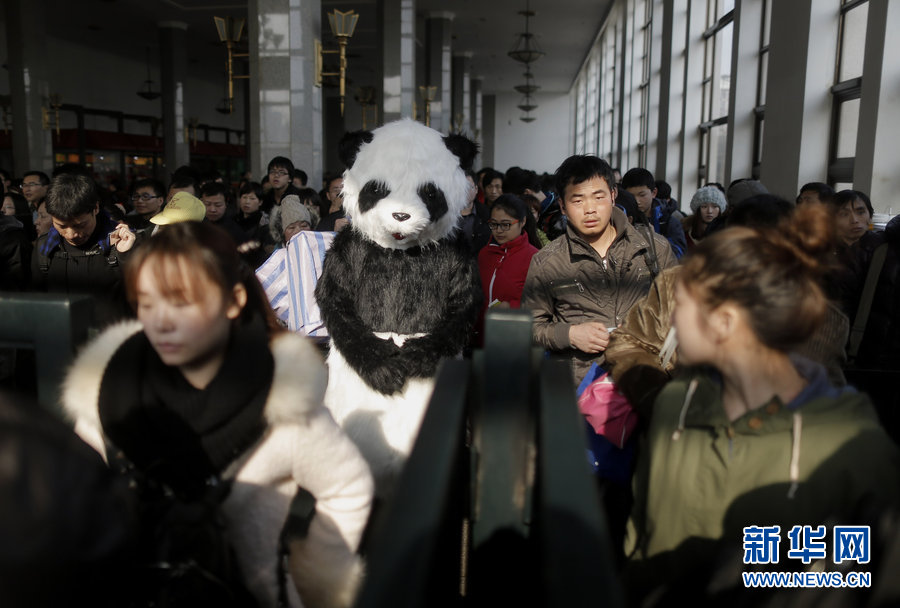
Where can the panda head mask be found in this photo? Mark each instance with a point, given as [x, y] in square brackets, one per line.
[405, 184]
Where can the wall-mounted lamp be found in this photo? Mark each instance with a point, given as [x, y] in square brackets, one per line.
[428, 94]
[148, 92]
[50, 116]
[230, 32]
[365, 97]
[342, 26]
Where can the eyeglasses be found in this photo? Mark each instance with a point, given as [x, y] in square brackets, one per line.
[32, 184]
[275, 173]
[144, 197]
[501, 227]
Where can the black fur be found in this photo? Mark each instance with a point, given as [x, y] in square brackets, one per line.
[463, 148]
[371, 193]
[366, 288]
[434, 199]
[350, 144]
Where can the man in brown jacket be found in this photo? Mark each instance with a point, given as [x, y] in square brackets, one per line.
[580, 286]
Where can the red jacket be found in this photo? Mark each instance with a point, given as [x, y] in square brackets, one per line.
[503, 269]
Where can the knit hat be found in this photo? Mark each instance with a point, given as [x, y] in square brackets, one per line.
[744, 189]
[708, 195]
[292, 210]
[183, 207]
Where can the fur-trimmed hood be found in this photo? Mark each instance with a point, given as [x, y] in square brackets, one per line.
[298, 384]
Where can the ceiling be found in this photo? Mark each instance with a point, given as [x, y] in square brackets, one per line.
[565, 30]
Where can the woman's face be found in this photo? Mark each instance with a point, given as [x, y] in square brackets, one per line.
[8, 207]
[189, 330]
[852, 221]
[504, 227]
[694, 344]
[250, 203]
[294, 228]
[708, 212]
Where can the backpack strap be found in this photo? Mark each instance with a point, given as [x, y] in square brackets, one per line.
[865, 300]
[650, 257]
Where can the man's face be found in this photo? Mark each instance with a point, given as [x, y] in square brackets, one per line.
[173, 191]
[279, 178]
[79, 229]
[588, 206]
[334, 193]
[808, 196]
[145, 201]
[493, 190]
[32, 189]
[852, 221]
[644, 197]
[215, 207]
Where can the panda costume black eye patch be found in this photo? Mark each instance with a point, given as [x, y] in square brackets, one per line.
[434, 200]
[371, 193]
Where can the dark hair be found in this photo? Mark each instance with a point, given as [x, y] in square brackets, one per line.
[637, 177]
[490, 176]
[773, 274]
[19, 201]
[281, 162]
[186, 248]
[42, 177]
[580, 168]
[663, 190]
[301, 175]
[823, 191]
[626, 202]
[155, 184]
[515, 207]
[182, 180]
[760, 211]
[214, 189]
[845, 197]
[514, 182]
[330, 178]
[251, 187]
[71, 195]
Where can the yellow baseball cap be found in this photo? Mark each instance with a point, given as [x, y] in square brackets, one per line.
[183, 207]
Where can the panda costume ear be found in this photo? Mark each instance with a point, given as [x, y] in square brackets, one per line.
[350, 144]
[463, 148]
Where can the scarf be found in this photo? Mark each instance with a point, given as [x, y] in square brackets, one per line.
[99, 238]
[174, 432]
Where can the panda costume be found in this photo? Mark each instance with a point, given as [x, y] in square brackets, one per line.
[398, 292]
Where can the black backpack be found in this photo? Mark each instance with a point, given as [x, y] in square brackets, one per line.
[185, 557]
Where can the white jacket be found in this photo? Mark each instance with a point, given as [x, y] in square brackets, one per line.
[302, 446]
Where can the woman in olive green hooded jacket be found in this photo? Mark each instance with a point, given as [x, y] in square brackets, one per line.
[759, 437]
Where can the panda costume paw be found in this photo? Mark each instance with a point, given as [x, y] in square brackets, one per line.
[398, 292]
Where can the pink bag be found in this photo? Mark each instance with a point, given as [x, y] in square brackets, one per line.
[608, 411]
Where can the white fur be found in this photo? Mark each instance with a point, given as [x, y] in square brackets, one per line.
[404, 155]
[301, 447]
[383, 427]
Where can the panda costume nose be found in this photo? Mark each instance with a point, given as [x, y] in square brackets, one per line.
[400, 217]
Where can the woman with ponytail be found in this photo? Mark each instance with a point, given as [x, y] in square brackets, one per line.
[750, 434]
[503, 263]
[205, 386]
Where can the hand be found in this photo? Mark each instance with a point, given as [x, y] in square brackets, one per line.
[122, 238]
[501, 304]
[341, 223]
[591, 337]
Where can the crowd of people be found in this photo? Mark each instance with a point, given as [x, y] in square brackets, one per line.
[756, 338]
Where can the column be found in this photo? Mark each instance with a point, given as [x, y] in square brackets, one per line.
[437, 72]
[173, 77]
[399, 64]
[461, 108]
[29, 86]
[476, 121]
[285, 106]
[802, 48]
[671, 96]
[489, 106]
[744, 83]
[693, 101]
[877, 156]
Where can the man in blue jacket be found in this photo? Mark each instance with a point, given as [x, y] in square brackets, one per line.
[667, 222]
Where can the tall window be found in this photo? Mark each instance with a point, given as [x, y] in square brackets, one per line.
[608, 86]
[644, 20]
[593, 105]
[579, 116]
[716, 86]
[763, 74]
[848, 71]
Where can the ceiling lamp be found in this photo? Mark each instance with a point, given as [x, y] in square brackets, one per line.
[527, 105]
[529, 87]
[148, 91]
[527, 118]
[526, 49]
